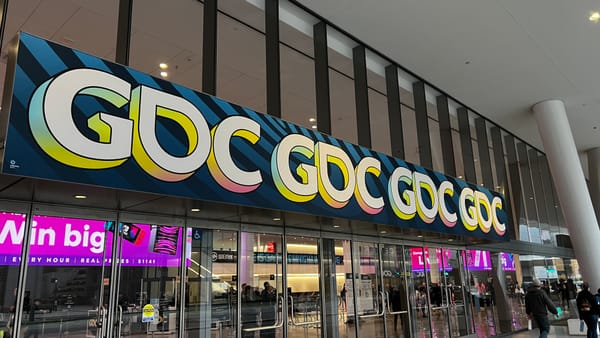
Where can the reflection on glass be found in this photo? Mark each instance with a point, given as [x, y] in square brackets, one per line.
[436, 267]
[241, 70]
[368, 291]
[418, 295]
[304, 296]
[64, 275]
[345, 284]
[149, 279]
[210, 300]
[394, 279]
[261, 283]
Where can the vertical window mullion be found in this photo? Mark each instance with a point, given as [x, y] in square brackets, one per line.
[273, 60]
[209, 48]
[446, 135]
[425, 156]
[361, 93]
[322, 78]
[466, 144]
[124, 32]
[394, 111]
[484, 152]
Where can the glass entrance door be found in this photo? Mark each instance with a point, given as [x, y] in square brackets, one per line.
[369, 293]
[418, 288]
[262, 285]
[439, 300]
[210, 300]
[144, 290]
[396, 294]
[303, 286]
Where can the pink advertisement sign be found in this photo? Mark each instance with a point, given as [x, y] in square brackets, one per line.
[79, 242]
[421, 259]
[478, 260]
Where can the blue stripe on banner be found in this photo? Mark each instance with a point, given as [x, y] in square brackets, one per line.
[91, 61]
[52, 63]
[23, 87]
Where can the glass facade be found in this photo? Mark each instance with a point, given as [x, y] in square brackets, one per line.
[160, 265]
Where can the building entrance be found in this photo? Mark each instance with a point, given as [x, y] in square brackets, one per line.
[128, 279]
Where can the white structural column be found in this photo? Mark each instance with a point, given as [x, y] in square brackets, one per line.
[594, 170]
[572, 190]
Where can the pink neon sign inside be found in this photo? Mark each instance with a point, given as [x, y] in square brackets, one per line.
[78, 242]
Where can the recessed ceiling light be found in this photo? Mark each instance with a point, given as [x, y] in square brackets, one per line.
[419, 236]
[594, 16]
[383, 232]
[336, 226]
[498, 187]
[163, 65]
[312, 119]
[80, 197]
[314, 127]
[276, 219]
[459, 176]
[164, 74]
[530, 197]
[195, 209]
[481, 184]
[450, 240]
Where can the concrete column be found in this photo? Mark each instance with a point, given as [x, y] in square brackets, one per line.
[594, 170]
[571, 187]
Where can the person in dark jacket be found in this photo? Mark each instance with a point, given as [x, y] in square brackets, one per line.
[588, 310]
[537, 305]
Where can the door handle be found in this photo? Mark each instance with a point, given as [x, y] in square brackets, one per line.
[278, 323]
[293, 316]
[378, 314]
[389, 308]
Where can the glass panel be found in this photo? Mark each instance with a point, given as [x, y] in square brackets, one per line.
[417, 283]
[261, 283]
[394, 279]
[241, 65]
[368, 291]
[65, 276]
[298, 98]
[10, 253]
[409, 129]
[345, 283]
[303, 286]
[380, 123]
[436, 145]
[454, 291]
[63, 24]
[173, 51]
[250, 13]
[343, 107]
[435, 270]
[479, 265]
[150, 276]
[211, 297]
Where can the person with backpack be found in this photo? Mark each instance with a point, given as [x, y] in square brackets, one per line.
[587, 306]
[537, 305]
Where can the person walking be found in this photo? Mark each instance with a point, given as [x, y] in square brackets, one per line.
[588, 310]
[537, 305]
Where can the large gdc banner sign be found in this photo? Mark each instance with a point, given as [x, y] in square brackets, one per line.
[77, 118]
